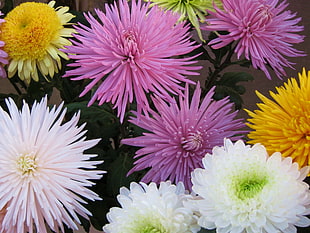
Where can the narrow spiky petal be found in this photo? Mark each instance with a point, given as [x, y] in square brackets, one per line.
[282, 123]
[179, 135]
[264, 30]
[44, 173]
[130, 52]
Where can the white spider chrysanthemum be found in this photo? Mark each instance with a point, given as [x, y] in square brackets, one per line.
[43, 170]
[148, 208]
[242, 189]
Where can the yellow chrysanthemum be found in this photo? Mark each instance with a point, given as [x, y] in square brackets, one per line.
[33, 33]
[283, 124]
[193, 10]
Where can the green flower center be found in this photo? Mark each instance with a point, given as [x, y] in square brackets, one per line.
[250, 187]
[148, 226]
[151, 229]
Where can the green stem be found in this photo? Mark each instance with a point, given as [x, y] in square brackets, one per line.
[218, 69]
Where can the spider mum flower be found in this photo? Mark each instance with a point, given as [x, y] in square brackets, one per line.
[44, 172]
[242, 189]
[265, 32]
[3, 55]
[283, 122]
[146, 208]
[33, 33]
[135, 48]
[180, 135]
[193, 10]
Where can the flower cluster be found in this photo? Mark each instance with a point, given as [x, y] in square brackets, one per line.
[239, 189]
[114, 123]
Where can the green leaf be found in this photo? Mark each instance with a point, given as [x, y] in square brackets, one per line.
[232, 78]
[117, 174]
[117, 167]
[101, 120]
[100, 208]
[228, 85]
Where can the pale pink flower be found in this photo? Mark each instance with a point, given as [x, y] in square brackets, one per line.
[179, 135]
[265, 32]
[44, 173]
[133, 51]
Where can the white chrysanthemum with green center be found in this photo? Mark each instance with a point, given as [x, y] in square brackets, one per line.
[151, 209]
[242, 189]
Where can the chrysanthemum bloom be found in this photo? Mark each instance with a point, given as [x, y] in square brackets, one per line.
[242, 189]
[180, 135]
[193, 10]
[283, 123]
[33, 33]
[44, 173]
[148, 208]
[3, 55]
[133, 52]
[265, 32]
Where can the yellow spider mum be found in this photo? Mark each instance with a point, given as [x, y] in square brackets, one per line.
[283, 124]
[193, 10]
[33, 33]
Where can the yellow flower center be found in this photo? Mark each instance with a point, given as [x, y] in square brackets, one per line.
[26, 163]
[29, 30]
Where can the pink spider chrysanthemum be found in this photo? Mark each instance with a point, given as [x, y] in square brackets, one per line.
[131, 52]
[3, 55]
[179, 135]
[265, 32]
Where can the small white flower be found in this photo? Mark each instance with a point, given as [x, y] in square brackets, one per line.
[42, 175]
[242, 189]
[148, 209]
